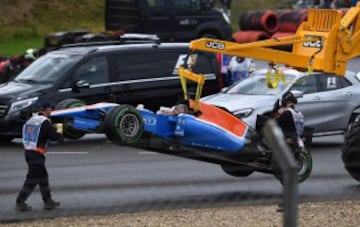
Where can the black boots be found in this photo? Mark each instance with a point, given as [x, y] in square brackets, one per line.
[51, 204]
[22, 206]
[48, 205]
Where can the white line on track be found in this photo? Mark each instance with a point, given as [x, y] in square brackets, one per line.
[68, 152]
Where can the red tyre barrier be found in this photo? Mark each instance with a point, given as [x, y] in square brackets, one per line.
[280, 35]
[250, 36]
[289, 20]
[259, 20]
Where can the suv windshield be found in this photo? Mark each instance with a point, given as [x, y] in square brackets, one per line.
[47, 68]
[256, 85]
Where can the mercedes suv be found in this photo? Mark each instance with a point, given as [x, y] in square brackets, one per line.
[143, 73]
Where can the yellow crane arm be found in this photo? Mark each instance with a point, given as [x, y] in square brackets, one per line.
[325, 42]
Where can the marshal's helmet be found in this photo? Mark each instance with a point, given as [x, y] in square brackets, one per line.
[288, 97]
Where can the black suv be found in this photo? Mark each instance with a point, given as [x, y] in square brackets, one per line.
[171, 20]
[127, 73]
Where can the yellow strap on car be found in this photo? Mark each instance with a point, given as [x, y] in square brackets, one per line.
[273, 79]
[198, 78]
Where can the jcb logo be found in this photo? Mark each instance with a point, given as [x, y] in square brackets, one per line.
[315, 43]
[215, 45]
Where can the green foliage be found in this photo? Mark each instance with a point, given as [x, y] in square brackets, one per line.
[24, 24]
[13, 47]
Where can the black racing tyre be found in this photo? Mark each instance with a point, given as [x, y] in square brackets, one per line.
[123, 125]
[351, 150]
[237, 170]
[68, 131]
[304, 166]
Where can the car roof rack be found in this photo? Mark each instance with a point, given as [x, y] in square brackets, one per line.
[130, 38]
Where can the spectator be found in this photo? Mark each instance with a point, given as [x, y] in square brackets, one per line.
[239, 68]
[326, 4]
[290, 120]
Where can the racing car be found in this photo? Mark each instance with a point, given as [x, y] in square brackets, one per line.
[201, 132]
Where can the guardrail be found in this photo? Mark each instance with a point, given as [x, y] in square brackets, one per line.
[285, 160]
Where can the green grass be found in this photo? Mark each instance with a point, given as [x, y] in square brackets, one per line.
[20, 31]
[15, 47]
[24, 24]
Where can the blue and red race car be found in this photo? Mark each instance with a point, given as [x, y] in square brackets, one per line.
[200, 131]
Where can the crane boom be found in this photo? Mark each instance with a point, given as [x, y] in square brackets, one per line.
[325, 42]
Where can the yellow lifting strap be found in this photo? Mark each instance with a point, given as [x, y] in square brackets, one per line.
[198, 78]
[273, 79]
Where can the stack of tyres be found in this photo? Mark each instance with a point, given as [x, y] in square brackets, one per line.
[255, 26]
[290, 20]
[250, 36]
[278, 35]
[259, 20]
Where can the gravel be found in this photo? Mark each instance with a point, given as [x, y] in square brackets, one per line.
[330, 214]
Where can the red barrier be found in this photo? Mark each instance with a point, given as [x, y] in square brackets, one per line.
[250, 36]
[289, 20]
[280, 35]
[259, 20]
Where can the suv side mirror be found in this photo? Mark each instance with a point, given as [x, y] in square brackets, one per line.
[297, 93]
[80, 84]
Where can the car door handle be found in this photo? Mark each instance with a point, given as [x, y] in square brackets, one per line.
[349, 93]
[316, 98]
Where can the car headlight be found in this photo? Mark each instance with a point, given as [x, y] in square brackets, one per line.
[243, 112]
[22, 104]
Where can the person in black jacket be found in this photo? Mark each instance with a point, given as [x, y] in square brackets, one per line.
[37, 132]
[290, 120]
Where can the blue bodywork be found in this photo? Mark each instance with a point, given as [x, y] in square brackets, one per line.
[188, 130]
[183, 129]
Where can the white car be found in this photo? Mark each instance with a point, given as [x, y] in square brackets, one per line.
[329, 102]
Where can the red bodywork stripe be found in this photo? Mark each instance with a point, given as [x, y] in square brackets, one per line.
[222, 118]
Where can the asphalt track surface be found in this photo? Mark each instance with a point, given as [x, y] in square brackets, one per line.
[93, 176]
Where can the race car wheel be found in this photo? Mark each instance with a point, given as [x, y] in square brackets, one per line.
[237, 170]
[351, 150]
[68, 131]
[304, 165]
[303, 161]
[123, 125]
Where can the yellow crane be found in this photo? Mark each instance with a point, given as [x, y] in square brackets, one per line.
[325, 42]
